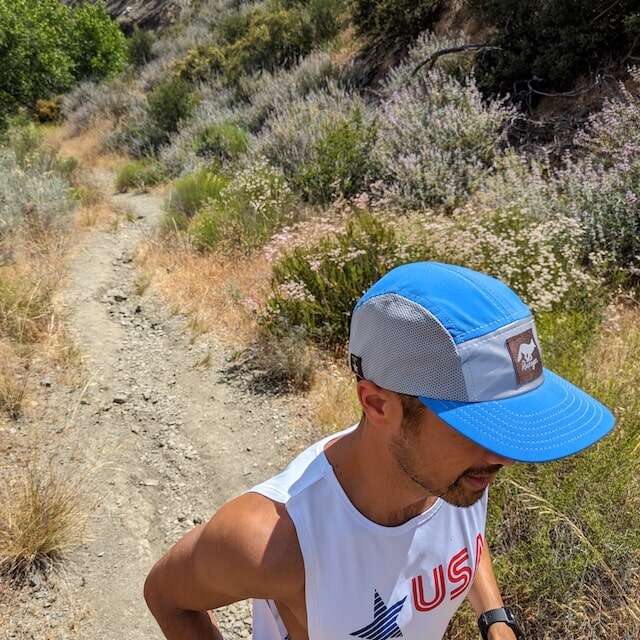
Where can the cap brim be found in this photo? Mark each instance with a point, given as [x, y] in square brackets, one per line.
[555, 420]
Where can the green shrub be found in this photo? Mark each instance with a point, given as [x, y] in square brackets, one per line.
[394, 21]
[548, 44]
[247, 211]
[140, 47]
[169, 104]
[47, 46]
[139, 174]
[99, 46]
[316, 288]
[340, 162]
[222, 141]
[200, 63]
[193, 191]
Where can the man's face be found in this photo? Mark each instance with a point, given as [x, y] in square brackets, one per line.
[442, 461]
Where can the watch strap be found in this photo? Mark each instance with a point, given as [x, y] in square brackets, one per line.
[502, 614]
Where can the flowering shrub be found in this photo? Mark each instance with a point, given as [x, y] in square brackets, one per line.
[613, 133]
[605, 202]
[515, 228]
[246, 211]
[316, 288]
[602, 190]
[273, 90]
[324, 144]
[437, 140]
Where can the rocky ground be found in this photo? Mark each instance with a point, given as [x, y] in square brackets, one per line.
[167, 434]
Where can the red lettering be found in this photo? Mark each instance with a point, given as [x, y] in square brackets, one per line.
[418, 591]
[479, 548]
[459, 571]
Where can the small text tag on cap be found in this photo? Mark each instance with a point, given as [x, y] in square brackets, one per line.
[525, 355]
[356, 364]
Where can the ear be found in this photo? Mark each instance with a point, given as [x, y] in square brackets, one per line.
[381, 406]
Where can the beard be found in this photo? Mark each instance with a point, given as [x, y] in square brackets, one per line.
[456, 494]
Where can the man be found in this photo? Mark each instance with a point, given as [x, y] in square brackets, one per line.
[377, 532]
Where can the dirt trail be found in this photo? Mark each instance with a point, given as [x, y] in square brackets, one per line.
[172, 436]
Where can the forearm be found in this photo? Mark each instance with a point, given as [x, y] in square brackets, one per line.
[485, 595]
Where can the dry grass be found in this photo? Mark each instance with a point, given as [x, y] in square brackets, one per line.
[43, 516]
[332, 399]
[219, 293]
[86, 148]
[13, 381]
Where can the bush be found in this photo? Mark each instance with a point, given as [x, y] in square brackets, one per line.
[99, 47]
[47, 110]
[324, 144]
[340, 161]
[138, 174]
[48, 46]
[31, 196]
[515, 228]
[602, 190]
[140, 47]
[222, 141]
[546, 44]
[270, 91]
[247, 211]
[437, 140]
[192, 192]
[169, 104]
[317, 288]
[200, 63]
[393, 21]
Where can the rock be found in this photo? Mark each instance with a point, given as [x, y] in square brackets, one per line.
[149, 482]
[117, 295]
[120, 398]
[45, 382]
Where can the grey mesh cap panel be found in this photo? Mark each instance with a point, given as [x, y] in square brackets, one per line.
[404, 348]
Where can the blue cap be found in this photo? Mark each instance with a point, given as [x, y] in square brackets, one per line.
[466, 345]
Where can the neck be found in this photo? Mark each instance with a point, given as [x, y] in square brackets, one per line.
[371, 478]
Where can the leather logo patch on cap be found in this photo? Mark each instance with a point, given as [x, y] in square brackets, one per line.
[525, 355]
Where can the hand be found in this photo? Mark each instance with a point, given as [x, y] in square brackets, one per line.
[500, 631]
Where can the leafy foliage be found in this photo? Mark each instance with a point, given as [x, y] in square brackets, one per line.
[45, 47]
[393, 21]
[316, 288]
[548, 43]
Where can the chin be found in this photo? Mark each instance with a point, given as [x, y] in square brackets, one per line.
[461, 498]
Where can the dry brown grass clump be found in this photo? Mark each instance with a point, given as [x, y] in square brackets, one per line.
[43, 516]
[333, 403]
[220, 293]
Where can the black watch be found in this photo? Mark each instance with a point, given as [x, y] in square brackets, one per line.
[504, 614]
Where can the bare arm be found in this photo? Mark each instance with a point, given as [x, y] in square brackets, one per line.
[245, 550]
[485, 594]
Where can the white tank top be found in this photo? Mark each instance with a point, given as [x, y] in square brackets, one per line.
[366, 580]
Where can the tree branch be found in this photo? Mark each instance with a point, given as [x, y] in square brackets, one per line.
[434, 56]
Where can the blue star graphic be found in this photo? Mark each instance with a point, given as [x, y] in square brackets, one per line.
[384, 624]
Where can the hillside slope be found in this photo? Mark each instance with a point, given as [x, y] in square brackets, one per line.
[146, 14]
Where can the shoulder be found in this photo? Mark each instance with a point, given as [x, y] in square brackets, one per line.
[255, 538]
